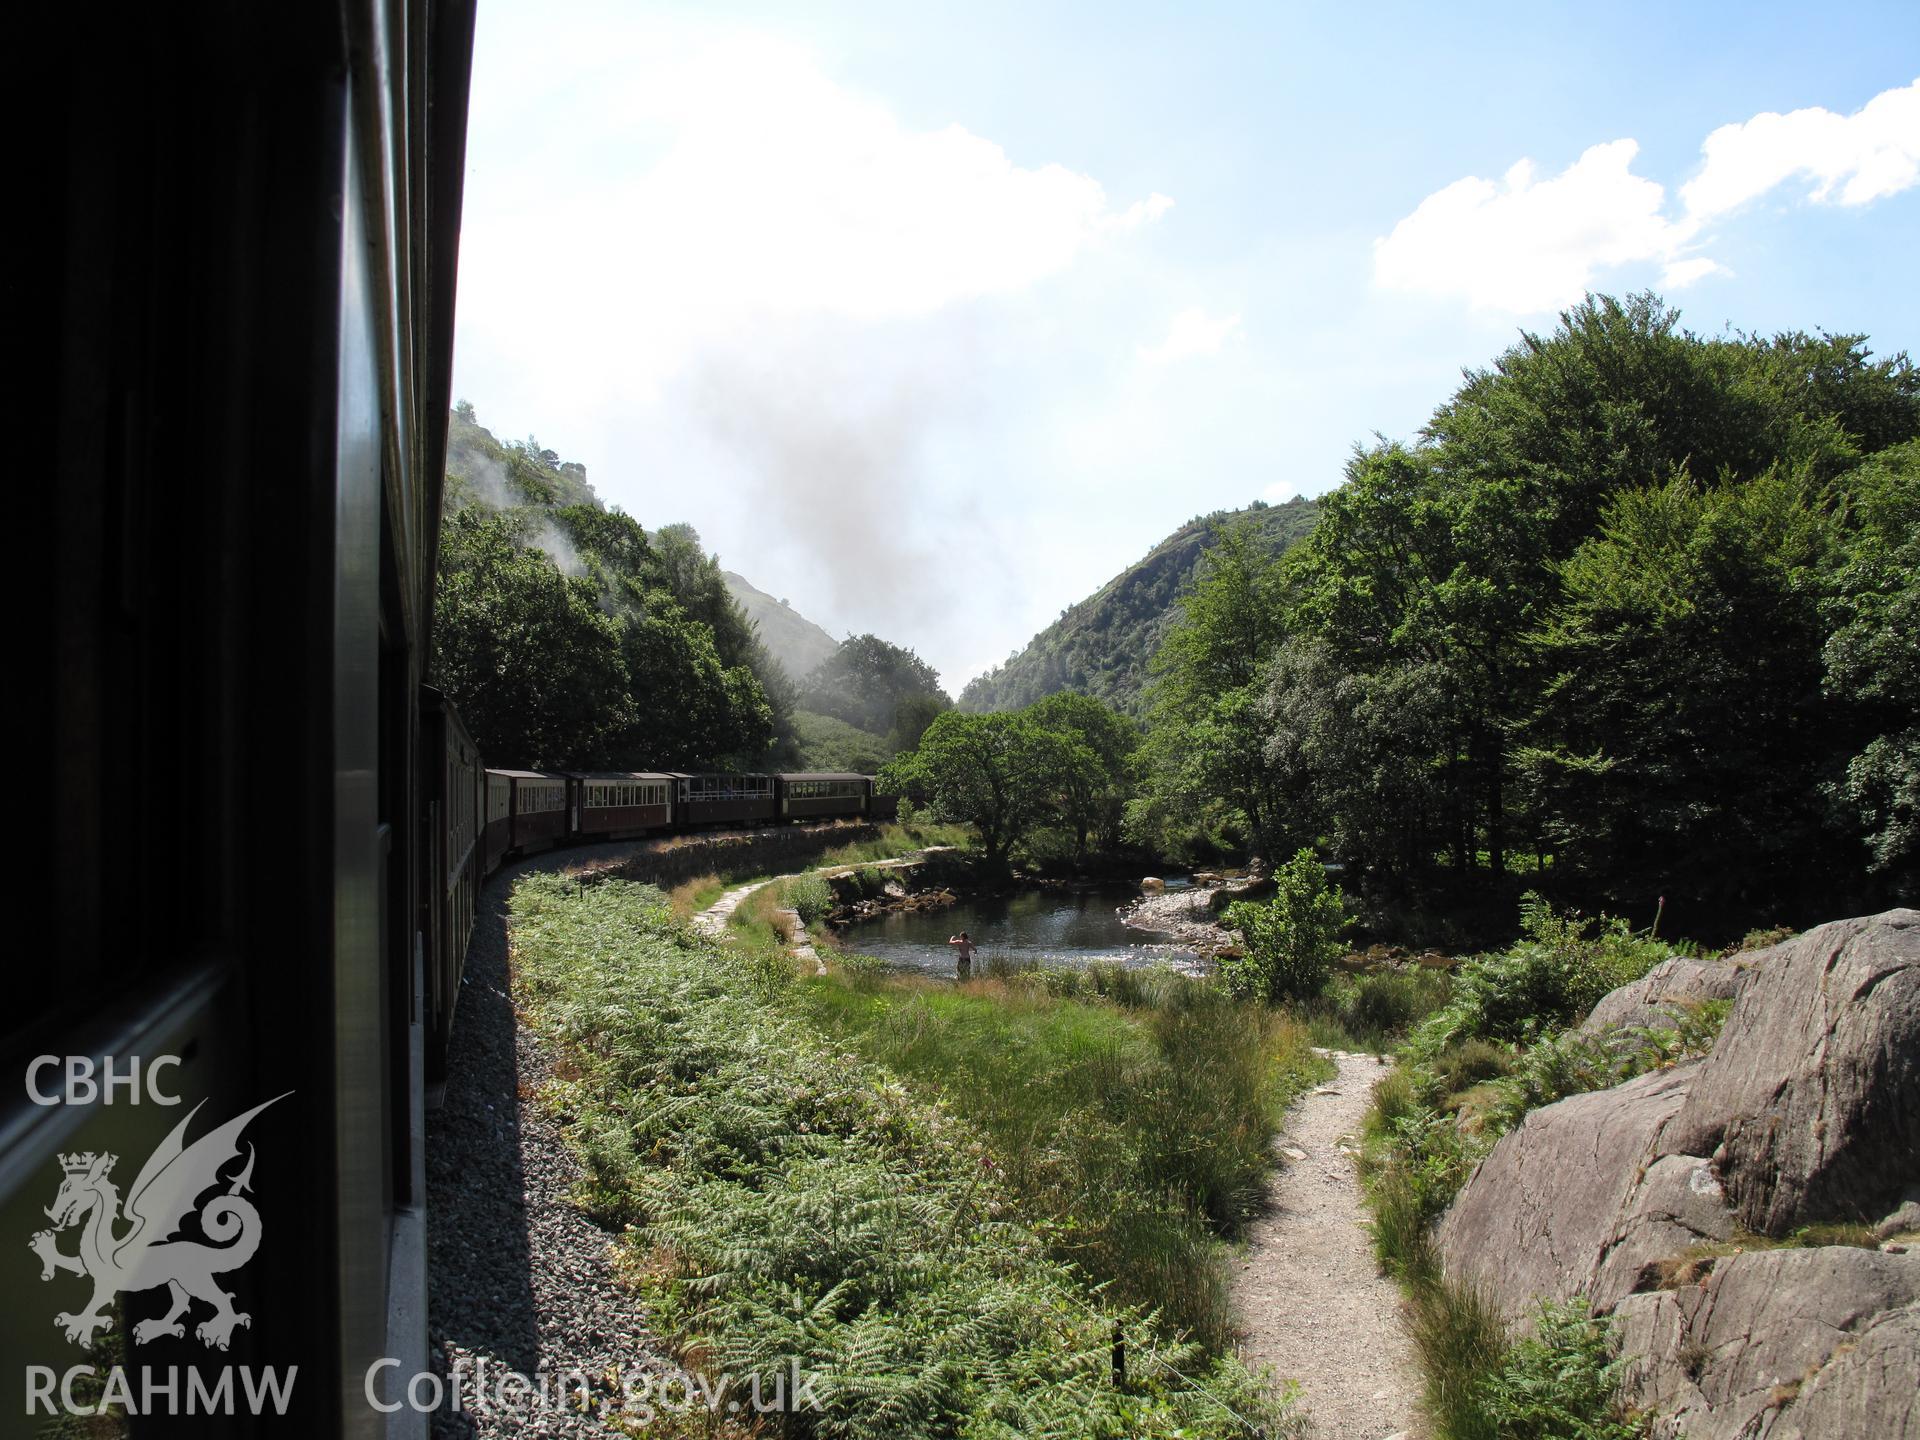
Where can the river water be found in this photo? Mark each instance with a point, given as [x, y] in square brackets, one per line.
[1049, 927]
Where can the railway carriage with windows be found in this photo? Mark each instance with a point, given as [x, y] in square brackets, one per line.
[497, 833]
[619, 804]
[245, 235]
[454, 794]
[818, 795]
[724, 799]
[539, 810]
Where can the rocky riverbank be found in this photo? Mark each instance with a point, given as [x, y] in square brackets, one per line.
[1191, 913]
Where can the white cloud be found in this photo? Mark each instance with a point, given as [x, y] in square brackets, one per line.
[1681, 273]
[1526, 245]
[1193, 332]
[754, 299]
[779, 191]
[1851, 159]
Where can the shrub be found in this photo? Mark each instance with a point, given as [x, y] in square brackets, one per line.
[1462, 1066]
[1292, 940]
[1763, 939]
[1461, 1340]
[1549, 979]
[1562, 1383]
[811, 897]
[1387, 1004]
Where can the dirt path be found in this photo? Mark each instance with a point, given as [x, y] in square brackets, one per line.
[712, 921]
[1313, 1304]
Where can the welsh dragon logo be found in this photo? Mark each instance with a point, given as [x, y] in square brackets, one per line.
[144, 1256]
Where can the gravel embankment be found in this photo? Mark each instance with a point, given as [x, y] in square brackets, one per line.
[518, 1277]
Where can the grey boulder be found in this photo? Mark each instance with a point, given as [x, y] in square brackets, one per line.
[1653, 999]
[1822, 1344]
[1807, 1110]
[1810, 1103]
[1582, 1197]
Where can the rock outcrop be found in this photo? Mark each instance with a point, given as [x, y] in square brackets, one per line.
[1810, 1103]
[1781, 1342]
[1670, 985]
[1582, 1197]
[1807, 1110]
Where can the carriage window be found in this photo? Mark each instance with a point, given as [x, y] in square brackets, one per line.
[822, 789]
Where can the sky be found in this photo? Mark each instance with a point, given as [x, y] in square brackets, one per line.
[931, 318]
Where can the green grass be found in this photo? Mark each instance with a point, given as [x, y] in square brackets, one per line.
[895, 841]
[690, 897]
[1133, 1111]
[784, 1197]
[1373, 1013]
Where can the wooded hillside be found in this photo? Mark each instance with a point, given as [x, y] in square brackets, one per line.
[1100, 646]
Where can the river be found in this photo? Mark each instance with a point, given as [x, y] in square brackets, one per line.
[1055, 927]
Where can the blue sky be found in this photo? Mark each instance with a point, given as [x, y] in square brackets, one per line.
[931, 318]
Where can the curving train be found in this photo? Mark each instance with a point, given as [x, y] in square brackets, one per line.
[480, 818]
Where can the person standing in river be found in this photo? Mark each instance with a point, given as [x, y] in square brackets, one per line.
[964, 944]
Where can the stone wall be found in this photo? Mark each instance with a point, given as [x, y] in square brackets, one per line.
[737, 855]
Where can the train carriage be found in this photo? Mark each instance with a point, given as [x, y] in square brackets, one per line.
[814, 795]
[454, 797]
[247, 269]
[497, 835]
[537, 811]
[243, 251]
[617, 804]
[718, 799]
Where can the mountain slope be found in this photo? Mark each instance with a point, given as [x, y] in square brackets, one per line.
[1100, 646]
[796, 642]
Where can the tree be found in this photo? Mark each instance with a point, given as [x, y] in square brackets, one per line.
[603, 665]
[1093, 783]
[524, 651]
[1353, 755]
[993, 772]
[1439, 574]
[688, 711]
[697, 582]
[1411, 570]
[1292, 939]
[911, 717]
[1681, 738]
[1872, 660]
[865, 682]
[1229, 622]
[1205, 738]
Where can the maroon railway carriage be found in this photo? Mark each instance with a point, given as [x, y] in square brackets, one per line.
[497, 834]
[813, 795]
[614, 804]
[452, 789]
[539, 813]
[724, 799]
